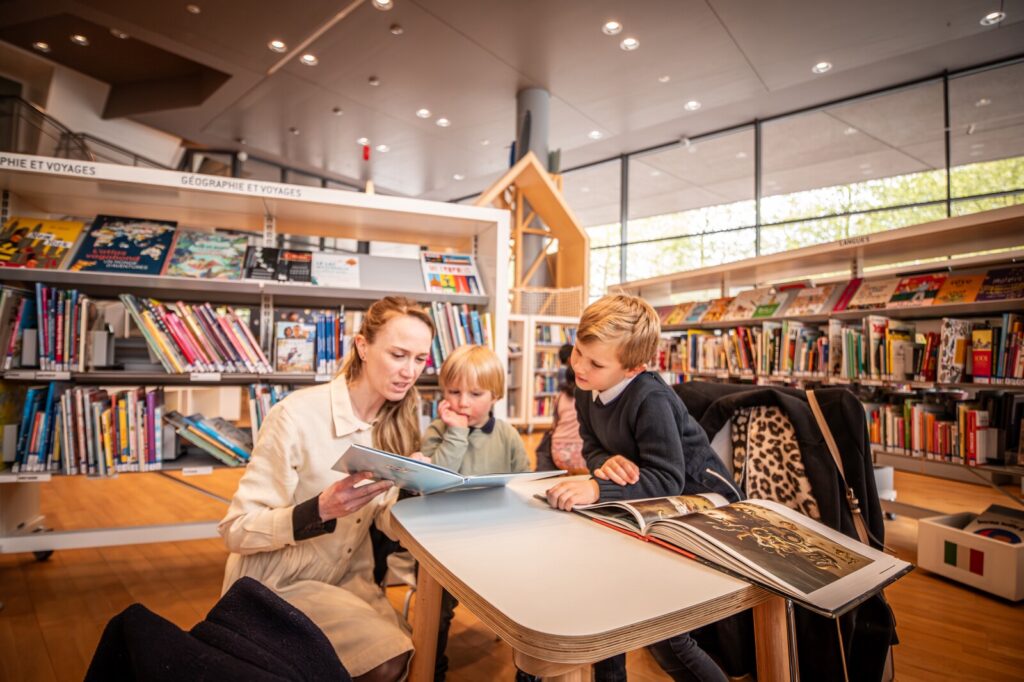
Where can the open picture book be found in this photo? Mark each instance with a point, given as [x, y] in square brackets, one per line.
[422, 477]
[759, 541]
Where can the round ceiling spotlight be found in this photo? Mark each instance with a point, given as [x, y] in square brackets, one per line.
[240, 140]
[383, 148]
[458, 176]
[850, 131]
[741, 155]
[611, 28]
[383, 5]
[821, 67]
[629, 44]
[484, 143]
[277, 45]
[443, 122]
[363, 141]
[595, 135]
[80, 40]
[41, 46]
[993, 18]
[337, 111]
[373, 81]
[193, 9]
[692, 105]
[119, 34]
[309, 59]
[293, 130]
[664, 79]
[396, 29]
[423, 113]
[983, 102]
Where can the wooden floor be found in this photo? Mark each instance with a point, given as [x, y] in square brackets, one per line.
[55, 611]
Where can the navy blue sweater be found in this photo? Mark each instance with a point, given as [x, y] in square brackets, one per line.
[649, 425]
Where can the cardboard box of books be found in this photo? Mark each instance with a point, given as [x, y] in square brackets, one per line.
[981, 550]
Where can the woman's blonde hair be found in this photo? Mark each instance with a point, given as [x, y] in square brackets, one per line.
[397, 428]
[474, 365]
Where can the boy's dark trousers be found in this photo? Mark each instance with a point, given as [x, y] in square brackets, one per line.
[448, 604]
[678, 656]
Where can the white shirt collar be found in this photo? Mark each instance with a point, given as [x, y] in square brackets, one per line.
[610, 394]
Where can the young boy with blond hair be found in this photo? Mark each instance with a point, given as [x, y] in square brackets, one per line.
[639, 441]
[468, 439]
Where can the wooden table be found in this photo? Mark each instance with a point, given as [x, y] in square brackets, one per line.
[564, 591]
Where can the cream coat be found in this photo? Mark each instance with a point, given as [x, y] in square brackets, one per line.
[330, 577]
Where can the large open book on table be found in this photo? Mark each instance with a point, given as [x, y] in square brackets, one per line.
[761, 542]
[422, 477]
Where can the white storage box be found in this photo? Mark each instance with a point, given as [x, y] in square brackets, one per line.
[944, 548]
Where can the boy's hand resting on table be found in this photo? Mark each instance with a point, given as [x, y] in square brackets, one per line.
[566, 494]
[450, 417]
[618, 469]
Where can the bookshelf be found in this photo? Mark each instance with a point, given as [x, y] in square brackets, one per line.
[534, 373]
[47, 188]
[965, 244]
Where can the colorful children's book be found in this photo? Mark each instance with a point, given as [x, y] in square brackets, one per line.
[814, 300]
[775, 304]
[1002, 284]
[135, 246]
[981, 352]
[451, 273]
[745, 304]
[959, 289]
[873, 294]
[953, 342]
[918, 290]
[697, 312]
[261, 262]
[678, 314]
[207, 255]
[848, 293]
[717, 309]
[295, 265]
[37, 243]
[339, 270]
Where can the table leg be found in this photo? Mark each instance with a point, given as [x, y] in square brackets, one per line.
[771, 641]
[425, 617]
[551, 672]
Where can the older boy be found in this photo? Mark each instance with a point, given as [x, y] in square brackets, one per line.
[639, 441]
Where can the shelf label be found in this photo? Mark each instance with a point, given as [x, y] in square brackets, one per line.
[204, 376]
[20, 374]
[197, 471]
[40, 477]
[53, 376]
[319, 378]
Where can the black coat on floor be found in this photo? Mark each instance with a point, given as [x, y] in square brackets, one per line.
[869, 629]
[250, 635]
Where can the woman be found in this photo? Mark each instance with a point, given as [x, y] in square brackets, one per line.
[302, 528]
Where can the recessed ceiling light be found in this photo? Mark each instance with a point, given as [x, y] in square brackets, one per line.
[629, 44]
[864, 166]
[655, 173]
[971, 128]
[293, 130]
[611, 28]
[396, 29]
[41, 46]
[741, 155]
[193, 9]
[822, 67]
[584, 190]
[977, 145]
[363, 141]
[976, 152]
[119, 34]
[80, 40]
[692, 105]
[484, 143]
[309, 59]
[458, 176]
[850, 131]
[337, 111]
[443, 122]
[383, 148]
[240, 140]
[383, 5]
[277, 45]
[595, 135]
[664, 79]
[992, 18]
[983, 102]
[373, 81]
[692, 149]
[423, 113]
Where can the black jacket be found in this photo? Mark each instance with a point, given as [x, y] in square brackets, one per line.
[869, 629]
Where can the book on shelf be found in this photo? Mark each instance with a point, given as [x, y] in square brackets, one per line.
[261, 263]
[451, 273]
[207, 255]
[873, 294]
[309, 340]
[262, 397]
[17, 313]
[295, 265]
[456, 325]
[697, 312]
[37, 242]
[917, 290]
[555, 334]
[775, 304]
[959, 288]
[847, 293]
[999, 523]
[760, 542]
[1002, 284]
[716, 309]
[677, 314]
[954, 341]
[814, 300]
[113, 244]
[981, 353]
[217, 437]
[745, 304]
[340, 270]
[422, 477]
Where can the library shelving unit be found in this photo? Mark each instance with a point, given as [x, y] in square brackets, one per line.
[48, 187]
[971, 243]
[534, 373]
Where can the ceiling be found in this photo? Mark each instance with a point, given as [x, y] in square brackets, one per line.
[466, 60]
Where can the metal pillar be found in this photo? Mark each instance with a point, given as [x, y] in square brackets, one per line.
[533, 106]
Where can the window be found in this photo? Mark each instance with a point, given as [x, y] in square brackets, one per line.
[593, 194]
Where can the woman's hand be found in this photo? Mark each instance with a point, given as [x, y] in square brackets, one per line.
[347, 496]
[450, 417]
[618, 469]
